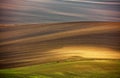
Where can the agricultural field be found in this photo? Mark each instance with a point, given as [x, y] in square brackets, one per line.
[67, 69]
[60, 50]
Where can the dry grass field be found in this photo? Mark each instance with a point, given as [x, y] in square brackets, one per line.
[60, 50]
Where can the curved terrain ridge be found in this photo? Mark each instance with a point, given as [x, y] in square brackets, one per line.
[39, 43]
